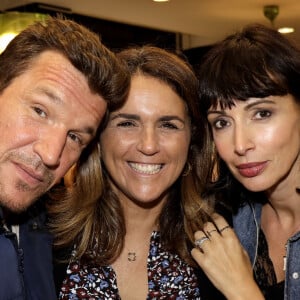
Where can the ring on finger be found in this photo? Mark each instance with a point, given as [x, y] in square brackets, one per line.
[199, 242]
[224, 228]
[209, 232]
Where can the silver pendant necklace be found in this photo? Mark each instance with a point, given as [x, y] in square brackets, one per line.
[131, 256]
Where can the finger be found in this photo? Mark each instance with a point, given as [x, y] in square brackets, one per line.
[201, 259]
[201, 238]
[197, 254]
[220, 223]
[209, 228]
[200, 242]
[210, 232]
[199, 234]
[227, 227]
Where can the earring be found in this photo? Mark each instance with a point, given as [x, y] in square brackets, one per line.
[187, 169]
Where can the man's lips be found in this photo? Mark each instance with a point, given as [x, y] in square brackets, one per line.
[30, 174]
[251, 169]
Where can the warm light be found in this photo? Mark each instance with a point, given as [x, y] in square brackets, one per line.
[161, 0]
[286, 30]
[5, 38]
[271, 12]
[12, 23]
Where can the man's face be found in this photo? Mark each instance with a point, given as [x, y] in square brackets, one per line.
[48, 115]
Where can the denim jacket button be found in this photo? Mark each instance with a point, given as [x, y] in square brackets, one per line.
[295, 275]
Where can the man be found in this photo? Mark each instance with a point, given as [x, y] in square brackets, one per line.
[56, 82]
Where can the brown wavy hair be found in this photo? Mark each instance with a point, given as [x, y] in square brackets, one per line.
[92, 217]
[105, 74]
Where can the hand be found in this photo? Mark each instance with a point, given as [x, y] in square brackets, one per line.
[225, 261]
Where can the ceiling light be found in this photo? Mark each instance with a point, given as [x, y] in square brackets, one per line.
[161, 0]
[271, 12]
[286, 30]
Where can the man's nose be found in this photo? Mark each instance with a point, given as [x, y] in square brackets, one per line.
[50, 146]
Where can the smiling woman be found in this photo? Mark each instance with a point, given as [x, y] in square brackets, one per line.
[145, 146]
[153, 170]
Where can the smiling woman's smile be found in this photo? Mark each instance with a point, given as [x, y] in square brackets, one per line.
[146, 168]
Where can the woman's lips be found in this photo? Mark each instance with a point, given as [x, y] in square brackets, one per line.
[251, 169]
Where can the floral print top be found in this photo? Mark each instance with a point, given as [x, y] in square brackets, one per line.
[168, 278]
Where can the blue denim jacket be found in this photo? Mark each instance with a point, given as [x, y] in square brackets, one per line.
[26, 269]
[246, 224]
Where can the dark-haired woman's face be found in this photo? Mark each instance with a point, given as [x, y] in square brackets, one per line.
[259, 140]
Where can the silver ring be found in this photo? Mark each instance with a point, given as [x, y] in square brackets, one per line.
[224, 228]
[199, 242]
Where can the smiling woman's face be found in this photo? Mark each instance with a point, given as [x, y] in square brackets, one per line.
[145, 144]
[259, 140]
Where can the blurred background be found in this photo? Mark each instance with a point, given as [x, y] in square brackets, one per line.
[188, 26]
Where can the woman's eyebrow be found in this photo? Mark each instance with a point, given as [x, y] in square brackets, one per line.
[125, 116]
[258, 102]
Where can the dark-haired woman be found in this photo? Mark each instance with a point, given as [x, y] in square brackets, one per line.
[249, 85]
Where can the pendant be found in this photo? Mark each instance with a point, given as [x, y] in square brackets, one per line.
[131, 256]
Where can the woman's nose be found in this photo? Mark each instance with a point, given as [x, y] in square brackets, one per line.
[148, 141]
[242, 140]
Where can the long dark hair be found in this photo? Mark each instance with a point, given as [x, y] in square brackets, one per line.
[257, 61]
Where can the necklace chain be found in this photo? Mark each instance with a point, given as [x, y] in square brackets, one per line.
[284, 258]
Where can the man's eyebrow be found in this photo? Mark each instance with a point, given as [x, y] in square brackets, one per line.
[57, 100]
[50, 94]
[89, 130]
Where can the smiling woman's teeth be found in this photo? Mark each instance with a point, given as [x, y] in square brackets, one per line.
[146, 168]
